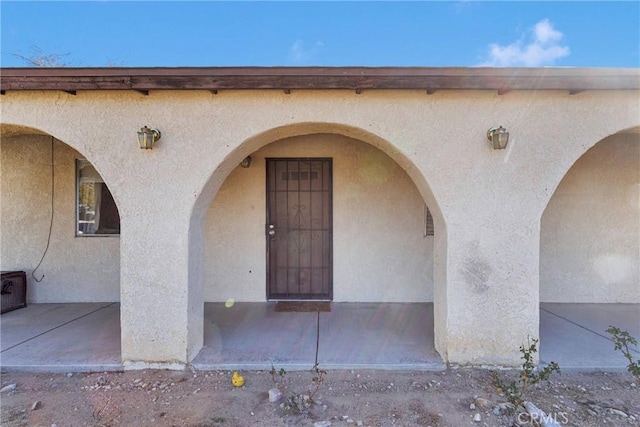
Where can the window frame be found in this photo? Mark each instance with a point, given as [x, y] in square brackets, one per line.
[76, 164]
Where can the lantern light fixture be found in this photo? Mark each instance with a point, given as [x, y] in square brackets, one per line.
[246, 162]
[147, 137]
[499, 137]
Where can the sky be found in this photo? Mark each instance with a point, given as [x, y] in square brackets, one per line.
[322, 33]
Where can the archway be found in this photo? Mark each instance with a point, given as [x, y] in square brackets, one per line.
[67, 242]
[590, 253]
[381, 226]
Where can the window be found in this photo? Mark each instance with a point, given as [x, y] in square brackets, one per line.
[97, 213]
[428, 222]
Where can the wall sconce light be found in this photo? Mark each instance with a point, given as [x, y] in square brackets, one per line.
[246, 162]
[147, 137]
[499, 137]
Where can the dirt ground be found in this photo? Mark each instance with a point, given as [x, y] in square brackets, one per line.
[455, 397]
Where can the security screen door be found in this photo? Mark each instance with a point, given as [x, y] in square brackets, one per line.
[299, 229]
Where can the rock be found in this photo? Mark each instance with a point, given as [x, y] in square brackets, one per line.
[36, 405]
[477, 417]
[274, 395]
[618, 412]
[322, 424]
[70, 374]
[472, 406]
[101, 381]
[503, 408]
[482, 403]
[8, 388]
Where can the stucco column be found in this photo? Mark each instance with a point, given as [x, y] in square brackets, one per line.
[492, 286]
[156, 298]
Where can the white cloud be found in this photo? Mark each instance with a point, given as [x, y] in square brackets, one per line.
[298, 52]
[544, 48]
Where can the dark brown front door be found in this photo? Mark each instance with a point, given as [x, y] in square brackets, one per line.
[299, 229]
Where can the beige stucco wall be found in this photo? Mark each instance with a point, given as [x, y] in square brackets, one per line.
[380, 251]
[487, 204]
[75, 269]
[590, 237]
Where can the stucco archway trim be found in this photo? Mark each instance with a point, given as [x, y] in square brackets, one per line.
[254, 143]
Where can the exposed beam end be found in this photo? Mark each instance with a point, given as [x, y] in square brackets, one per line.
[358, 91]
[214, 91]
[431, 91]
[2, 92]
[142, 91]
[287, 91]
[70, 92]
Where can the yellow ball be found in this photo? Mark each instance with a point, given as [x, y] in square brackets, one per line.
[237, 379]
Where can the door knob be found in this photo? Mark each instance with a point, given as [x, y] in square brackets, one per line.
[272, 232]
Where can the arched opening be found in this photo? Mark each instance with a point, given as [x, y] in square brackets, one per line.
[60, 225]
[383, 251]
[590, 254]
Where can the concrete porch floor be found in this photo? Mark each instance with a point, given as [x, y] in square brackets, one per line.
[86, 337]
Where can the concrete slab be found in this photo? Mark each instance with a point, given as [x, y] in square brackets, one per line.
[35, 319]
[378, 336]
[86, 337]
[90, 341]
[352, 335]
[573, 335]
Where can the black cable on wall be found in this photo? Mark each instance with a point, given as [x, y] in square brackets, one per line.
[51, 222]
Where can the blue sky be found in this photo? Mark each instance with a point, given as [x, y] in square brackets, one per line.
[358, 33]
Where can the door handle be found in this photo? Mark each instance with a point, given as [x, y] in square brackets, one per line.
[271, 230]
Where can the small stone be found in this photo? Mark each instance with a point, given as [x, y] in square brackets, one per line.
[349, 421]
[101, 381]
[70, 374]
[322, 424]
[482, 403]
[472, 406]
[36, 405]
[477, 417]
[360, 423]
[618, 412]
[274, 395]
[8, 388]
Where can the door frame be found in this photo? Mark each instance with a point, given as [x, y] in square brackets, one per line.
[329, 160]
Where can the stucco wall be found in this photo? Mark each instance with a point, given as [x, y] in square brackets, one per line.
[487, 203]
[380, 251]
[590, 237]
[75, 269]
